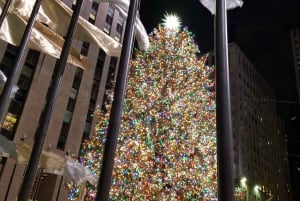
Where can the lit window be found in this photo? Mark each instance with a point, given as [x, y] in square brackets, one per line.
[68, 116]
[73, 93]
[93, 13]
[9, 122]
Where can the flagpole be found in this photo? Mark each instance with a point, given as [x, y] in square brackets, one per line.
[17, 68]
[4, 11]
[45, 120]
[105, 178]
[224, 123]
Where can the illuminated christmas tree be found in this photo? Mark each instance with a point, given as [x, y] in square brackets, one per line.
[167, 142]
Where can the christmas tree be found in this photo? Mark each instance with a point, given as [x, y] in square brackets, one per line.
[167, 142]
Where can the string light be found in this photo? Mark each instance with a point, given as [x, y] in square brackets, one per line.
[167, 142]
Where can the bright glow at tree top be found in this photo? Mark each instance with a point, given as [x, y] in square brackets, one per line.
[171, 22]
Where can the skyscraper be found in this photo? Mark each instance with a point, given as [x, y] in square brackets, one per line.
[295, 120]
[260, 151]
[72, 121]
[295, 42]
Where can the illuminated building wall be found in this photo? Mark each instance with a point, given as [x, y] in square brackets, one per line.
[295, 119]
[72, 120]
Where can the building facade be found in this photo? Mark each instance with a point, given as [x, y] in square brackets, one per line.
[80, 94]
[260, 151]
[295, 120]
[295, 42]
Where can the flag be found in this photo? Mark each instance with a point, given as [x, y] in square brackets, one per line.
[3, 79]
[140, 31]
[49, 161]
[57, 16]
[41, 39]
[49, 22]
[230, 4]
[51, 13]
[74, 170]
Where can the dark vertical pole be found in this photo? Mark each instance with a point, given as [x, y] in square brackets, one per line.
[38, 181]
[4, 11]
[10, 181]
[17, 68]
[59, 187]
[224, 126]
[117, 105]
[45, 120]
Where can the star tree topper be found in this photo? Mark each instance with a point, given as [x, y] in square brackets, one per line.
[171, 22]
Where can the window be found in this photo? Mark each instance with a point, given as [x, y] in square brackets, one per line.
[65, 128]
[111, 72]
[90, 114]
[9, 122]
[68, 116]
[100, 64]
[119, 28]
[32, 58]
[15, 107]
[113, 63]
[71, 104]
[16, 104]
[77, 78]
[92, 18]
[92, 105]
[69, 111]
[61, 142]
[85, 48]
[95, 88]
[109, 19]
[2, 159]
[73, 93]
[87, 127]
[25, 78]
[93, 13]
[8, 59]
[94, 9]
[94, 94]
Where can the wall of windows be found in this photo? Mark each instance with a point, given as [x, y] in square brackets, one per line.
[94, 93]
[21, 89]
[62, 140]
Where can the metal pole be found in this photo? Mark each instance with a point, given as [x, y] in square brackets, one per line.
[4, 11]
[54, 89]
[104, 182]
[224, 123]
[10, 181]
[59, 188]
[17, 68]
[38, 181]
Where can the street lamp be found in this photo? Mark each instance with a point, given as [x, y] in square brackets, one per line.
[256, 191]
[243, 184]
